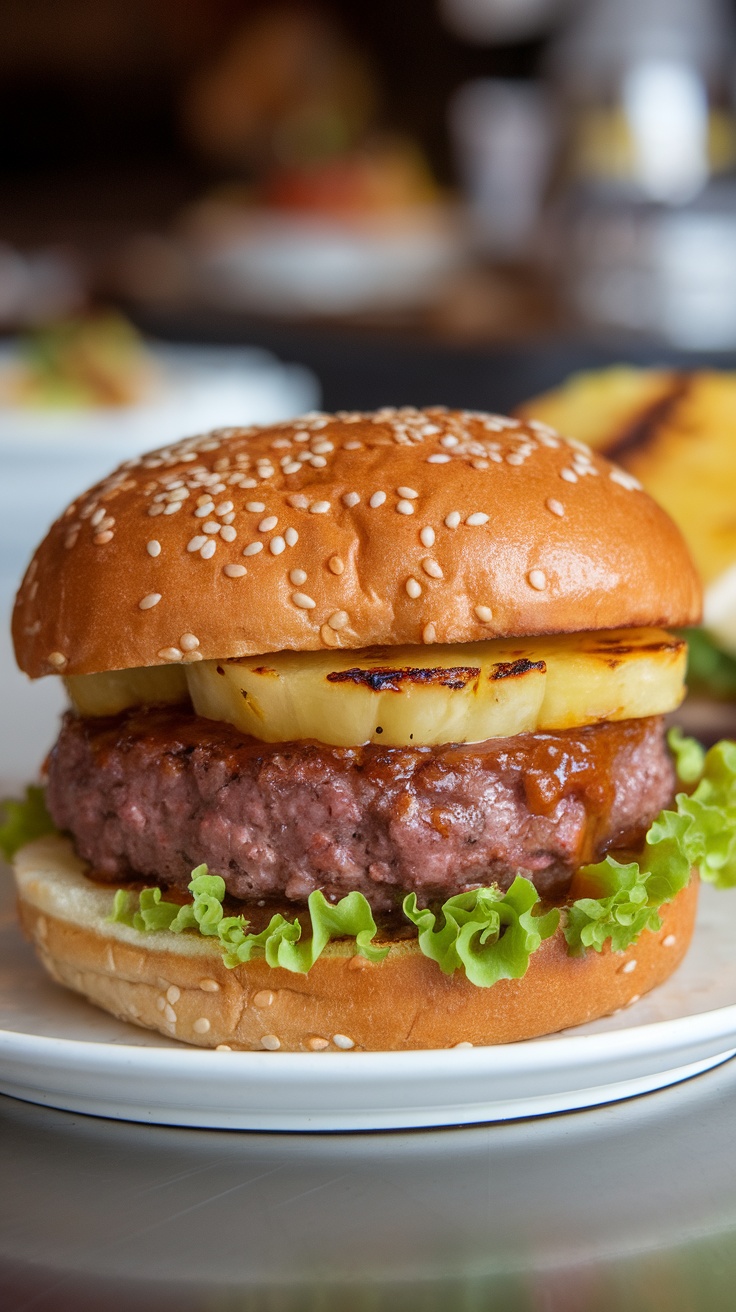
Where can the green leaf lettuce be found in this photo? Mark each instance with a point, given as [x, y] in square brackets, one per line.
[22, 821]
[488, 934]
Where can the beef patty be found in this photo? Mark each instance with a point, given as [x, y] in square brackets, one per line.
[150, 794]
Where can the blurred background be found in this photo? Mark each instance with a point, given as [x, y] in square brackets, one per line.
[235, 210]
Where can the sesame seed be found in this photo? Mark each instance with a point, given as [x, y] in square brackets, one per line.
[97, 518]
[170, 654]
[336, 565]
[484, 614]
[669, 941]
[151, 599]
[414, 588]
[448, 441]
[224, 508]
[377, 500]
[100, 539]
[234, 571]
[476, 519]
[201, 1025]
[628, 967]
[515, 458]
[270, 1042]
[427, 536]
[191, 656]
[57, 658]
[201, 512]
[480, 464]
[339, 620]
[319, 507]
[291, 537]
[353, 446]
[204, 500]
[223, 1047]
[256, 507]
[351, 499]
[263, 998]
[277, 545]
[464, 1044]
[196, 543]
[268, 523]
[170, 1014]
[211, 526]
[408, 492]
[316, 1043]
[228, 533]
[432, 568]
[155, 510]
[624, 479]
[317, 462]
[342, 1041]
[252, 548]
[453, 519]
[304, 602]
[208, 985]
[556, 507]
[188, 642]
[538, 579]
[293, 467]
[322, 448]
[153, 547]
[429, 633]
[298, 501]
[298, 576]
[405, 507]
[437, 460]
[208, 550]
[173, 993]
[328, 636]
[569, 475]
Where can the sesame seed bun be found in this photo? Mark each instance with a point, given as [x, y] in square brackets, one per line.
[403, 526]
[178, 984]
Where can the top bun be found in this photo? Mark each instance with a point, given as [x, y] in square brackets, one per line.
[352, 530]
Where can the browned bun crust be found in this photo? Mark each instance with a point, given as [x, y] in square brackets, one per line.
[541, 538]
[178, 984]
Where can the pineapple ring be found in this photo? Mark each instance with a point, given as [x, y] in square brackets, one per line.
[415, 696]
[424, 696]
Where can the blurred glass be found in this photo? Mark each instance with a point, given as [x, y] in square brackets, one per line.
[643, 222]
[500, 20]
[503, 133]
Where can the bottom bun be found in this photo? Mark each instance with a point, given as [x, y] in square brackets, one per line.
[179, 985]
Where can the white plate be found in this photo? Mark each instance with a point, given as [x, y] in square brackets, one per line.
[58, 1050]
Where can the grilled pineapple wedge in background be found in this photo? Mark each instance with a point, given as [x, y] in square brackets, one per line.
[676, 433]
[420, 696]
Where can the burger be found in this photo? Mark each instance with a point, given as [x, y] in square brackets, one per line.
[366, 743]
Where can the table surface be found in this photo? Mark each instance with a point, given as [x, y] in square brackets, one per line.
[630, 1206]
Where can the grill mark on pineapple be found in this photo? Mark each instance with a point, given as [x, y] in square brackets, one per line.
[515, 669]
[627, 649]
[391, 680]
[643, 432]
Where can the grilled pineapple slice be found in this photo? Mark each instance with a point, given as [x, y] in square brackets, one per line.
[421, 696]
[623, 674]
[116, 690]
